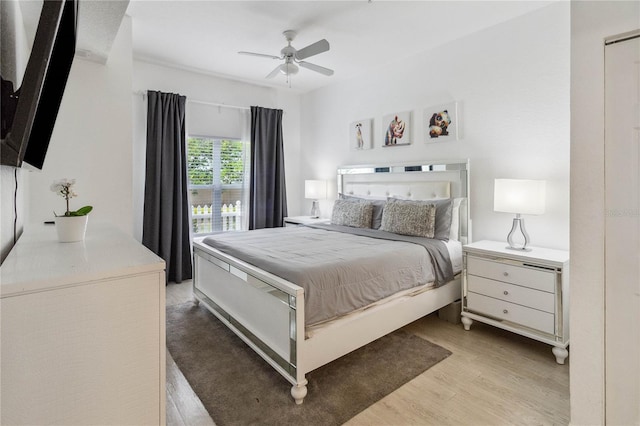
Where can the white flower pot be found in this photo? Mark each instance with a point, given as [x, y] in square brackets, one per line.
[71, 228]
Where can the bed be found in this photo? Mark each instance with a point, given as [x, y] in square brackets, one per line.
[280, 320]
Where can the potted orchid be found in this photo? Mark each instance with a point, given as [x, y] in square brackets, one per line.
[72, 225]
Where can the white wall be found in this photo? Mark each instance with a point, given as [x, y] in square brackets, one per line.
[11, 210]
[15, 42]
[591, 22]
[15, 55]
[91, 141]
[512, 85]
[209, 88]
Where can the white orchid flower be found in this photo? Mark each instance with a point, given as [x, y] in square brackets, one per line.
[64, 188]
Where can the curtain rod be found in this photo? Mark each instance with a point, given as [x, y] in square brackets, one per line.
[195, 101]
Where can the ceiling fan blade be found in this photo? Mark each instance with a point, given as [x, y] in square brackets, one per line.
[274, 72]
[316, 68]
[260, 54]
[313, 49]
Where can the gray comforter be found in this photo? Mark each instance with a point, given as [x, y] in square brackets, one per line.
[340, 268]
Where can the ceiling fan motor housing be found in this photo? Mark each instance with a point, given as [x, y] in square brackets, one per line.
[288, 51]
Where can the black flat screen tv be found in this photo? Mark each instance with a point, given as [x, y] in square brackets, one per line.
[29, 112]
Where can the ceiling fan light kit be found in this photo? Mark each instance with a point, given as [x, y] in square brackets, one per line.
[293, 58]
[289, 68]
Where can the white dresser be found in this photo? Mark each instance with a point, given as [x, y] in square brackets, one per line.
[82, 330]
[523, 292]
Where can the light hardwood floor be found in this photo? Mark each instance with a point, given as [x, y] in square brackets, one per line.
[493, 377]
[183, 405]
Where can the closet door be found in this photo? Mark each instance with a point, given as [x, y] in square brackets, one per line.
[622, 241]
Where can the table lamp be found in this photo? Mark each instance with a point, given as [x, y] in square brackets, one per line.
[314, 190]
[519, 196]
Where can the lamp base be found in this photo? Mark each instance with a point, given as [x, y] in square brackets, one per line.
[518, 248]
[518, 223]
[315, 210]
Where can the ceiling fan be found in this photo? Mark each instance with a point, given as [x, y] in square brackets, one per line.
[293, 57]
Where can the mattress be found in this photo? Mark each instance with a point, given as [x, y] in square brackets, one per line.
[339, 271]
[455, 251]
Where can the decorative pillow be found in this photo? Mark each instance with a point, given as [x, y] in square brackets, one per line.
[352, 213]
[417, 219]
[378, 207]
[443, 215]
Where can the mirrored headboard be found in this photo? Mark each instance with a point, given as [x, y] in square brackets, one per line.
[420, 180]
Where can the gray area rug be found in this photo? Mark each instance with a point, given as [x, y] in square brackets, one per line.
[237, 387]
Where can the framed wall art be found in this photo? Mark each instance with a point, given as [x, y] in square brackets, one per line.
[441, 123]
[361, 134]
[397, 129]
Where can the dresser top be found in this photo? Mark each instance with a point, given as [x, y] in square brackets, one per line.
[39, 262]
[498, 248]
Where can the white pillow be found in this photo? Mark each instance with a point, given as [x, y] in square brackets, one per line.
[454, 232]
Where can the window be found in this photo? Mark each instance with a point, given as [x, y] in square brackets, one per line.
[216, 169]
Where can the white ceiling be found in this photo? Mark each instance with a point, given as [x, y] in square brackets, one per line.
[205, 36]
[98, 24]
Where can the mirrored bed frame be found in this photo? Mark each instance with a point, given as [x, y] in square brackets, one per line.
[267, 312]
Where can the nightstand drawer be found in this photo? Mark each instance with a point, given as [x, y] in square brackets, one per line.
[539, 279]
[528, 317]
[524, 296]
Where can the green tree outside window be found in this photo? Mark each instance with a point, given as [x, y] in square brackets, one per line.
[200, 160]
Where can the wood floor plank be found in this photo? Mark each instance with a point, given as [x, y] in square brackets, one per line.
[188, 407]
[173, 415]
[493, 377]
[183, 405]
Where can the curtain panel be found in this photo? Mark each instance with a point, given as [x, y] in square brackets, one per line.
[165, 229]
[267, 191]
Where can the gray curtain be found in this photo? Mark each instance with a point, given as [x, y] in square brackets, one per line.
[165, 227]
[267, 192]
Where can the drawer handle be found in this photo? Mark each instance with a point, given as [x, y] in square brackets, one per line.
[504, 311]
[506, 274]
[506, 293]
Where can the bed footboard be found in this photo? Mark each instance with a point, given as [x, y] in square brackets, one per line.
[265, 311]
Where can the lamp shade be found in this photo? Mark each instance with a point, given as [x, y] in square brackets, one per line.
[315, 189]
[519, 196]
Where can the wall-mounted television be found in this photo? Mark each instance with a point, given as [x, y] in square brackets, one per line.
[29, 111]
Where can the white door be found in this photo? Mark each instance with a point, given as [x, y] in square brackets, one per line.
[622, 240]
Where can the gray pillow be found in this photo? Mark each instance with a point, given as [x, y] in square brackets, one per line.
[352, 213]
[443, 215]
[378, 207]
[417, 219]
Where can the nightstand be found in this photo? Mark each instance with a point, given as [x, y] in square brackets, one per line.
[304, 220]
[523, 292]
